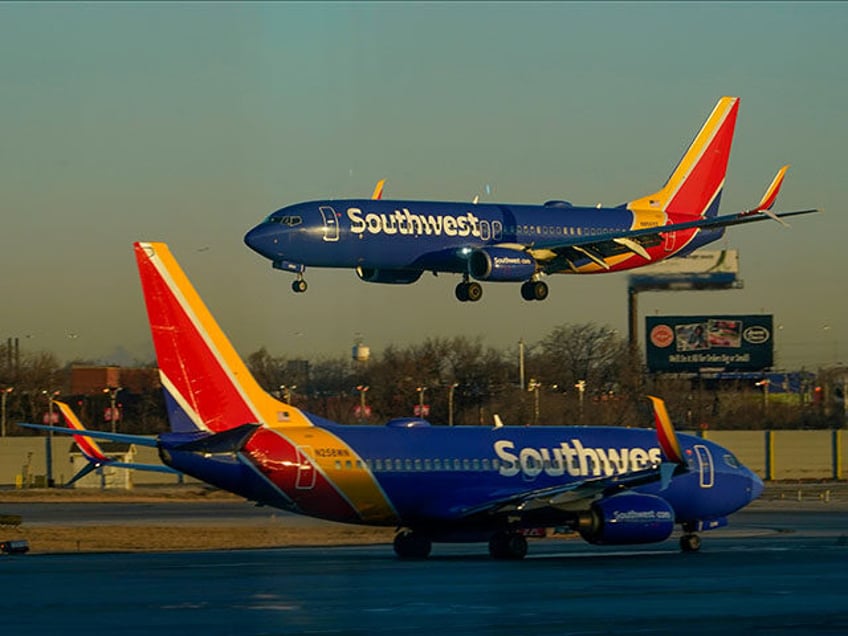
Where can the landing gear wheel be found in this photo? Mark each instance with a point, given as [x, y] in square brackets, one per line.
[508, 546]
[534, 290]
[299, 286]
[412, 545]
[540, 290]
[462, 292]
[690, 543]
[469, 292]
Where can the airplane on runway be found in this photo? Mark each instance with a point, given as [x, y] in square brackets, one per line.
[433, 483]
[92, 451]
[395, 242]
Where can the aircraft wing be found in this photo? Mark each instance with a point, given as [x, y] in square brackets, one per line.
[561, 253]
[575, 495]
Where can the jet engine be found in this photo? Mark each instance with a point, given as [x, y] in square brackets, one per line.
[627, 518]
[501, 264]
[388, 276]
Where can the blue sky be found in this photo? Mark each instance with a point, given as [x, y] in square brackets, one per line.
[187, 123]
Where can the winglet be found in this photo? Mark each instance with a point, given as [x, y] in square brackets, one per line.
[665, 432]
[770, 196]
[498, 421]
[89, 447]
[378, 190]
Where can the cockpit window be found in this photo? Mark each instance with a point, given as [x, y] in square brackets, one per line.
[288, 219]
[731, 461]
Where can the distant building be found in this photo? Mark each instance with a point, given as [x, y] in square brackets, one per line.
[105, 476]
[91, 380]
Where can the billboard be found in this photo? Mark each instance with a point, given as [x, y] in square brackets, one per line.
[687, 344]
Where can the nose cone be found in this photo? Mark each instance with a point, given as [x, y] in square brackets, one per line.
[263, 240]
[756, 486]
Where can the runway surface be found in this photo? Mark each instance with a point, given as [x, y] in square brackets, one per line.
[772, 572]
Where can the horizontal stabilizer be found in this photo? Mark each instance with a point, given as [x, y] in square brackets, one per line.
[139, 440]
[229, 441]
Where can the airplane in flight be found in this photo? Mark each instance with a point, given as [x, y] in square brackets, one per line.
[395, 242]
[92, 451]
[611, 485]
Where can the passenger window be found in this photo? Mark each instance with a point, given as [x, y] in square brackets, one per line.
[466, 464]
[475, 464]
[417, 465]
[407, 464]
[437, 464]
[428, 465]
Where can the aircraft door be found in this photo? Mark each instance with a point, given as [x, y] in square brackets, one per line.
[306, 474]
[705, 465]
[331, 223]
[670, 241]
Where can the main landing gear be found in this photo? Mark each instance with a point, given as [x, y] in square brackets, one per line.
[409, 544]
[508, 546]
[470, 291]
[690, 542]
[534, 290]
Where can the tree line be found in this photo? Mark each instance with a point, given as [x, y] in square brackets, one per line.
[578, 374]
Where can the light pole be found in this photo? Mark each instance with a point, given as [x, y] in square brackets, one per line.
[48, 441]
[421, 390]
[451, 389]
[521, 362]
[3, 396]
[286, 392]
[765, 384]
[363, 409]
[581, 389]
[534, 387]
[113, 395]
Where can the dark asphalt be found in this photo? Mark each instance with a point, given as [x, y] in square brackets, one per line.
[773, 572]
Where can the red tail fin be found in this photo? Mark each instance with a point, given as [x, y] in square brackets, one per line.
[199, 368]
[694, 188]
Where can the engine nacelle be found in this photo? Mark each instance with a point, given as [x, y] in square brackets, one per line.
[388, 276]
[627, 518]
[501, 264]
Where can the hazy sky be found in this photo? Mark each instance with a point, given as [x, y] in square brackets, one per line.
[188, 123]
